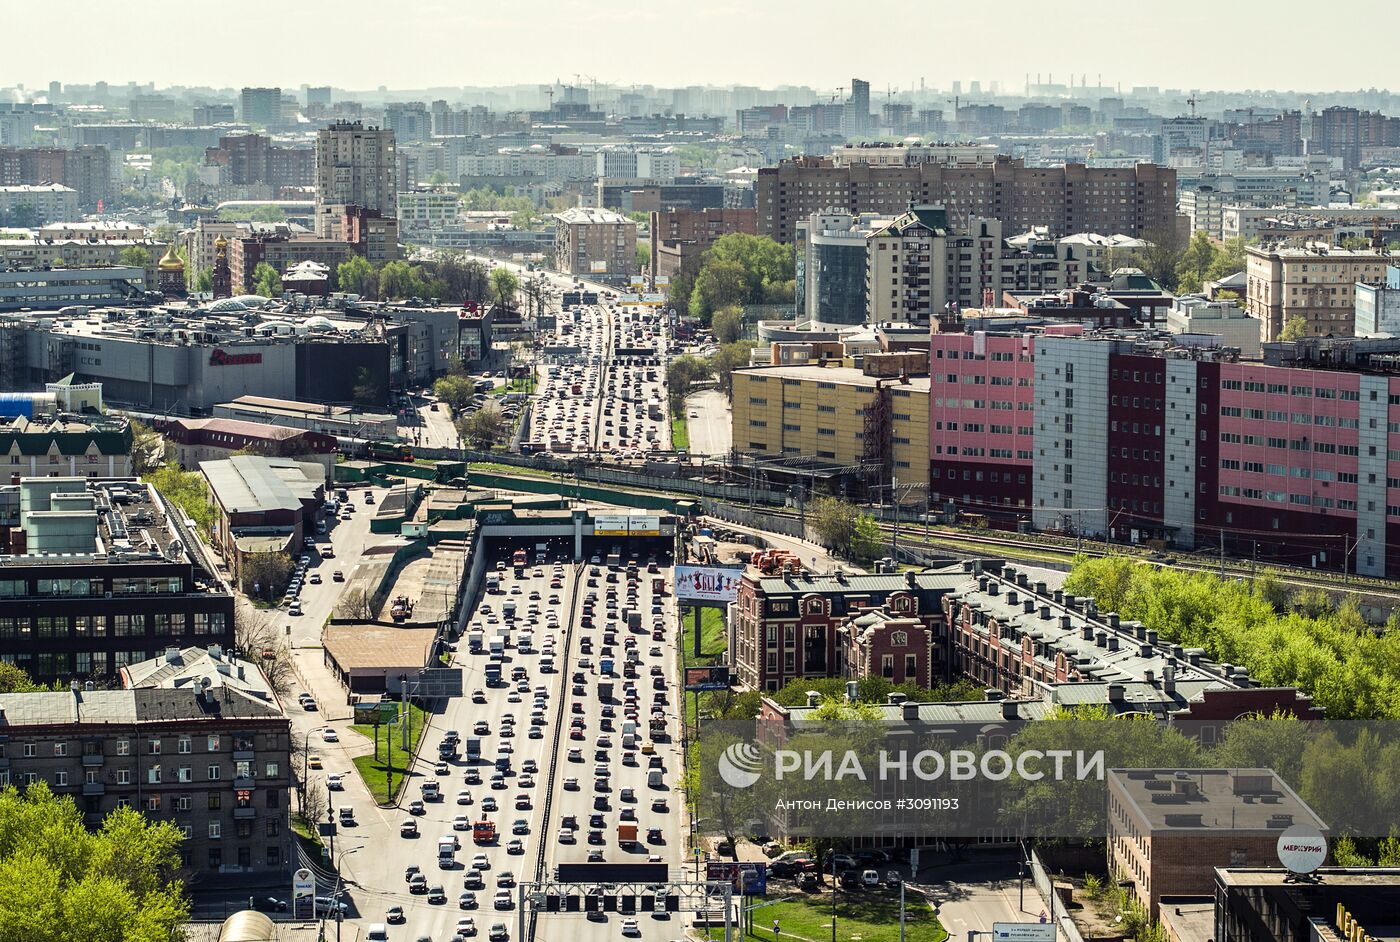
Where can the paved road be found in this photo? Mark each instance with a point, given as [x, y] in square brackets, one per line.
[983, 893]
[708, 419]
[374, 856]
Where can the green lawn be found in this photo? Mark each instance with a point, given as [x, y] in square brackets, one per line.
[713, 637]
[374, 767]
[869, 916]
[680, 432]
[515, 385]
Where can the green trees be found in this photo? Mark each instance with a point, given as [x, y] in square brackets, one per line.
[844, 529]
[728, 323]
[357, 276]
[186, 490]
[149, 449]
[14, 679]
[485, 427]
[681, 376]
[204, 281]
[504, 284]
[265, 575]
[266, 281]
[134, 256]
[1206, 260]
[1331, 654]
[454, 390]
[398, 281]
[726, 360]
[742, 269]
[1295, 328]
[63, 883]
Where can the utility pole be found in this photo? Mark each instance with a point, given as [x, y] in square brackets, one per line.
[1222, 552]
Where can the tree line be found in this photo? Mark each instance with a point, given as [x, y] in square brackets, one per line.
[1303, 640]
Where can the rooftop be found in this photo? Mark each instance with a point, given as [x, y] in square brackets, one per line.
[588, 215]
[375, 647]
[191, 667]
[845, 375]
[1173, 800]
[253, 484]
[71, 708]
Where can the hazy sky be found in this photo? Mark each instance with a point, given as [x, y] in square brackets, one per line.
[362, 44]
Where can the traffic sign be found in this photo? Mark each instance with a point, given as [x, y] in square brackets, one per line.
[1023, 932]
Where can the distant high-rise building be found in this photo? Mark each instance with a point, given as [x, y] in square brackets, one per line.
[856, 119]
[205, 115]
[409, 120]
[261, 106]
[318, 95]
[355, 166]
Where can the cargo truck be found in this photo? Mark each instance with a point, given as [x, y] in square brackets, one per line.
[447, 852]
[626, 835]
[484, 832]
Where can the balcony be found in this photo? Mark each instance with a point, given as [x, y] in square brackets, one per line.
[244, 781]
[244, 814]
[243, 755]
[93, 761]
[94, 788]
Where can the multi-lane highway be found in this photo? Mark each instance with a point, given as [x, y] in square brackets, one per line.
[606, 398]
[558, 768]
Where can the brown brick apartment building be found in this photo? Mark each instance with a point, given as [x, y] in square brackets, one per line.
[1067, 199]
[1168, 829]
[213, 758]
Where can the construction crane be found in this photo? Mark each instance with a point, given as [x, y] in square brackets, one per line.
[1193, 101]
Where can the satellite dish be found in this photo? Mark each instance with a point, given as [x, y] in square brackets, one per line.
[1302, 848]
[175, 549]
[205, 683]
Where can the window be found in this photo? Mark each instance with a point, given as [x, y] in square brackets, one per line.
[184, 746]
[153, 775]
[154, 747]
[212, 744]
[216, 830]
[123, 776]
[213, 773]
[60, 778]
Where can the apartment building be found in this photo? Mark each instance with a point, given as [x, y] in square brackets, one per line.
[245, 159]
[428, 209]
[65, 445]
[1168, 829]
[31, 204]
[907, 267]
[261, 107]
[101, 573]
[79, 252]
[784, 628]
[838, 415]
[595, 243]
[1315, 282]
[681, 236]
[88, 170]
[1071, 198]
[195, 737]
[355, 165]
[1126, 435]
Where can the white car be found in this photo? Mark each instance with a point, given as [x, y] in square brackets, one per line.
[335, 781]
[330, 735]
[461, 823]
[630, 927]
[481, 862]
[464, 797]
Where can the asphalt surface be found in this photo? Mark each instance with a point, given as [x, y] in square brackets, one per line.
[708, 421]
[374, 857]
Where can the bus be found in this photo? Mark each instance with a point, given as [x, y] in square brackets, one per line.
[391, 451]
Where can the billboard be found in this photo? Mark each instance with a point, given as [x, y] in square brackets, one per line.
[610, 525]
[712, 677]
[663, 280]
[598, 268]
[626, 525]
[749, 878]
[707, 583]
[612, 873]
[637, 281]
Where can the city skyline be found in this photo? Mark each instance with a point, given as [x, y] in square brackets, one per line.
[437, 45]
